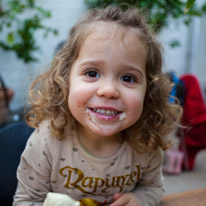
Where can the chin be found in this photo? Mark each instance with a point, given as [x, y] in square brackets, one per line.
[105, 132]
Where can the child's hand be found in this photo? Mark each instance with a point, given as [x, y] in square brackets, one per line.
[127, 199]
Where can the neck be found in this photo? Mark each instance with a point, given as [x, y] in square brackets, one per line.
[100, 146]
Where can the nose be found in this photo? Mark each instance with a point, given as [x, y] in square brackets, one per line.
[108, 89]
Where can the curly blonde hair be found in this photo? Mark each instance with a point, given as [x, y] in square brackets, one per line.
[49, 92]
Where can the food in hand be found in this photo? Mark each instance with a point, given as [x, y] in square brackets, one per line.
[57, 199]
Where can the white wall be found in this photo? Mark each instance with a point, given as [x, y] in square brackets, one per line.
[175, 58]
[65, 14]
[18, 75]
[190, 57]
[198, 57]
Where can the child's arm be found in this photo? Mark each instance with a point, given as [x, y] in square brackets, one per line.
[33, 173]
[150, 189]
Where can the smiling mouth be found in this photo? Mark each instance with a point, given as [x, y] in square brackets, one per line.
[109, 112]
[106, 112]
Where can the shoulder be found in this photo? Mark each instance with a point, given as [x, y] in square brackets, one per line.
[157, 153]
[41, 138]
[149, 156]
[42, 143]
[155, 157]
[41, 132]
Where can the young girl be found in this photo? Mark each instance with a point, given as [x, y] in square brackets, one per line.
[101, 115]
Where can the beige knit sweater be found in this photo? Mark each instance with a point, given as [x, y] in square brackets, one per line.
[50, 164]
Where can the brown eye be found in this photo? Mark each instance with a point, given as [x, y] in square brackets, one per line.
[128, 78]
[92, 74]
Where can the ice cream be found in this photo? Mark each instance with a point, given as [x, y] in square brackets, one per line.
[122, 116]
[91, 119]
[57, 199]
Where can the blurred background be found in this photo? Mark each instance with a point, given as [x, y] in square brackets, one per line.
[32, 30]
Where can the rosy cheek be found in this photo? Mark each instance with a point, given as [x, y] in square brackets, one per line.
[136, 103]
[79, 98]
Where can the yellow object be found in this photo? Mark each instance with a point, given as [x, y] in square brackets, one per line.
[88, 202]
[57, 199]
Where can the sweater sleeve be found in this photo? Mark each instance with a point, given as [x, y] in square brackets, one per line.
[33, 173]
[150, 189]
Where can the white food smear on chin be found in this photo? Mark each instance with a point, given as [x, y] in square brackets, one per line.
[91, 119]
[122, 116]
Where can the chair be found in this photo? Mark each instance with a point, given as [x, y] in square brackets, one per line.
[13, 138]
[194, 119]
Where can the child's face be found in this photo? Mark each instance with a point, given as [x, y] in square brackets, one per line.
[108, 81]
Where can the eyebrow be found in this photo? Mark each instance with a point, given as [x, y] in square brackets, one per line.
[134, 68]
[100, 62]
[95, 62]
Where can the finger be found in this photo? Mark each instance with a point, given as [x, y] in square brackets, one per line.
[122, 200]
[117, 196]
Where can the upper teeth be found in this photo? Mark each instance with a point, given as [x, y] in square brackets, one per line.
[105, 112]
